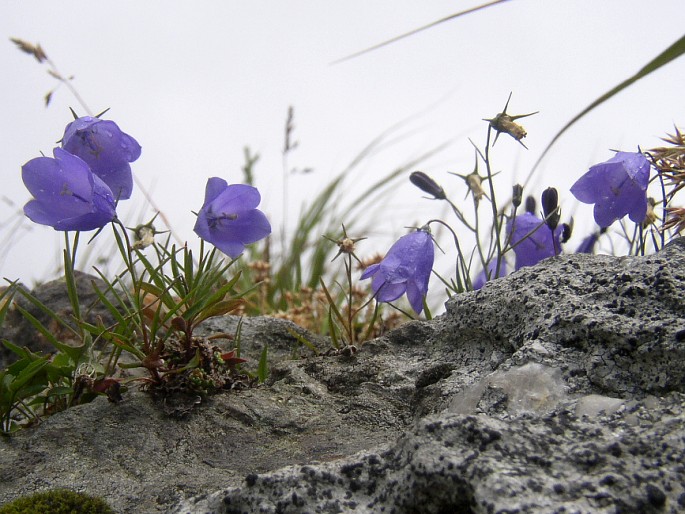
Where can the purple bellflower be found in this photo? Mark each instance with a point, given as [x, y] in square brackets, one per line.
[482, 277]
[107, 150]
[67, 195]
[537, 246]
[406, 268]
[617, 187]
[587, 245]
[229, 218]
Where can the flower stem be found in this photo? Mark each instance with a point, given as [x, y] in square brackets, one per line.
[497, 226]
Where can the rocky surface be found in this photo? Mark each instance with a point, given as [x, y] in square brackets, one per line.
[560, 388]
[477, 463]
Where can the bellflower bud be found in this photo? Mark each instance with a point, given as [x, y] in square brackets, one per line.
[517, 195]
[427, 185]
[550, 207]
[531, 204]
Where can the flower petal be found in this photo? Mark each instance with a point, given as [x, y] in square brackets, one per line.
[406, 268]
[106, 149]
[617, 187]
[532, 247]
[229, 219]
[236, 198]
[386, 292]
[415, 296]
[67, 196]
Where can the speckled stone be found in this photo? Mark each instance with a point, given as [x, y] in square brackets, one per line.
[557, 389]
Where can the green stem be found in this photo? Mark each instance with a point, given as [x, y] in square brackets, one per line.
[465, 274]
[495, 218]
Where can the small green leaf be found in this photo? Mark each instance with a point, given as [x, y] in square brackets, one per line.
[301, 339]
[70, 280]
[219, 309]
[40, 305]
[26, 375]
[333, 330]
[21, 352]
[332, 305]
[59, 391]
[192, 364]
[262, 367]
[238, 336]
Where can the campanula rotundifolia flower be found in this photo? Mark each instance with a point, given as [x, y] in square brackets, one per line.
[107, 150]
[617, 187]
[66, 194]
[490, 273]
[229, 218]
[406, 268]
[532, 239]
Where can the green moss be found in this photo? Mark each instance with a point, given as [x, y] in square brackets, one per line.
[57, 501]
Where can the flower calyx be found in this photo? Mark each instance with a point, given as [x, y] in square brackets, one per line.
[346, 245]
[504, 122]
[474, 182]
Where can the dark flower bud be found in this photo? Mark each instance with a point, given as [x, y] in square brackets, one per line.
[550, 207]
[566, 231]
[531, 204]
[427, 185]
[517, 195]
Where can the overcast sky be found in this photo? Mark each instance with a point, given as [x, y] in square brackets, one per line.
[196, 82]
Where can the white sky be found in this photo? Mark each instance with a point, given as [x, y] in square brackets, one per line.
[195, 82]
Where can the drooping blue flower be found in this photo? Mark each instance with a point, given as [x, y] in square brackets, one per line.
[587, 245]
[617, 187]
[67, 195]
[107, 150]
[229, 218]
[482, 277]
[537, 246]
[406, 268]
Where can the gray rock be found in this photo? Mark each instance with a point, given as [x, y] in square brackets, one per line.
[477, 463]
[557, 389]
